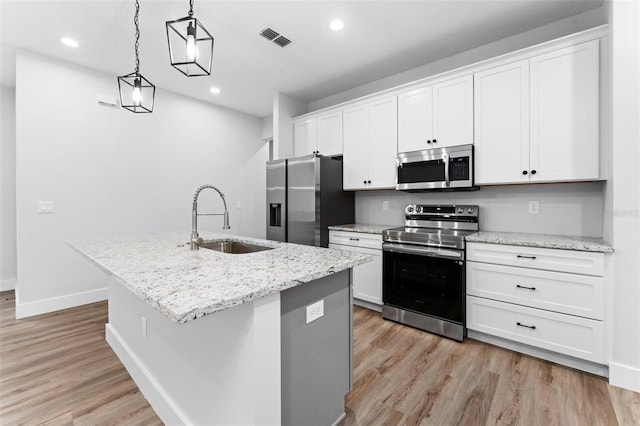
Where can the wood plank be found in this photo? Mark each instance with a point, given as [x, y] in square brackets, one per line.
[58, 369]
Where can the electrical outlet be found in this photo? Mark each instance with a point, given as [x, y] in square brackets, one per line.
[45, 207]
[143, 323]
[315, 311]
[534, 207]
[238, 205]
[385, 205]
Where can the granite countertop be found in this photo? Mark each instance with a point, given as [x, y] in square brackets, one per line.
[184, 285]
[362, 227]
[541, 240]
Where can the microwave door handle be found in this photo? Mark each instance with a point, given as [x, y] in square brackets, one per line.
[445, 158]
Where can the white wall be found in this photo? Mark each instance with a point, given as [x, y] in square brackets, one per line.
[560, 28]
[624, 212]
[110, 171]
[565, 209]
[284, 109]
[8, 268]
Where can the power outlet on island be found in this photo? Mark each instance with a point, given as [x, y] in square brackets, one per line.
[143, 324]
[385, 205]
[315, 311]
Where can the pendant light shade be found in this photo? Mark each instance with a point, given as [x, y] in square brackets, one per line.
[190, 45]
[136, 92]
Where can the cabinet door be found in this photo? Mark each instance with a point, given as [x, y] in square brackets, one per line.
[453, 112]
[329, 140]
[415, 119]
[565, 114]
[304, 137]
[367, 278]
[383, 143]
[501, 107]
[355, 161]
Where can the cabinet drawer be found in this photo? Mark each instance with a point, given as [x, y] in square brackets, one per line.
[565, 293]
[577, 337]
[577, 262]
[356, 239]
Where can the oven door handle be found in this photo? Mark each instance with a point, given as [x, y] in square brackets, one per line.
[423, 251]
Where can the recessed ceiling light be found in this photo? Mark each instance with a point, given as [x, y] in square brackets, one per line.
[69, 42]
[336, 25]
[214, 90]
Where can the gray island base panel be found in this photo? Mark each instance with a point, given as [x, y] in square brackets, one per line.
[258, 362]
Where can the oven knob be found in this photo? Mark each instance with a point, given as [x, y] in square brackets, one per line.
[460, 210]
[410, 209]
[418, 209]
[470, 210]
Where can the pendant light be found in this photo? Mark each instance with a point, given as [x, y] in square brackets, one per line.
[190, 45]
[136, 92]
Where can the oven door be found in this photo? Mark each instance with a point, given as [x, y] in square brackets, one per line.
[425, 280]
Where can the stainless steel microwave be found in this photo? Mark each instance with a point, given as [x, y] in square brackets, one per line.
[448, 168]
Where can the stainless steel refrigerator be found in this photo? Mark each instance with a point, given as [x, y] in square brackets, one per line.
[304, 197]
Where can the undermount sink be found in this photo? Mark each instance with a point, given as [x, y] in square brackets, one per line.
[232, 247]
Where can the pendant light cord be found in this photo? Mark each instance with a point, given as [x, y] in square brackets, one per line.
[137, 23]
[190, 8]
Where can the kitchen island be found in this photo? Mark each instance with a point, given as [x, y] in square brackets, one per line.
[221, 338]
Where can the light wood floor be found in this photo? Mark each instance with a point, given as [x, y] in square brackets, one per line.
[57, 369]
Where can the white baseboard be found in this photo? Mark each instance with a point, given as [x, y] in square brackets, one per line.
[159, 400]
[368, 305]
[624, 376]
[8, 284]
[53, 304]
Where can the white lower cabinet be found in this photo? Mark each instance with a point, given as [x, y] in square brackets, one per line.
[367, 278]
[550, 299]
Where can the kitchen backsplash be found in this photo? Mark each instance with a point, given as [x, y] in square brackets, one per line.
[564, 209]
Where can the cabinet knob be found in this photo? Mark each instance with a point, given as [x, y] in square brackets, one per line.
[435, 141]
[368, 181]
[524, 172]
[364, 181]
[533, 172]
[429, 141]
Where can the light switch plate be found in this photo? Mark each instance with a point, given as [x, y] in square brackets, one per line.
[534, 207]
[315, 311]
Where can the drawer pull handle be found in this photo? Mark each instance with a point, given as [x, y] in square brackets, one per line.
[526, 288]
[533, 327]
[520, 256]
[354, 239]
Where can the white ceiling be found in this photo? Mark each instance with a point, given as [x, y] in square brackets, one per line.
[380, 38]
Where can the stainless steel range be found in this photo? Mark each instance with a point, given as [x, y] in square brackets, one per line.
[424, 268]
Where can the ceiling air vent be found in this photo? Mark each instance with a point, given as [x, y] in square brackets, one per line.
[282, 41]
[269, 34]
[274, 36]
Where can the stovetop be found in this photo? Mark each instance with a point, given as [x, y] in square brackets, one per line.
[435, 225]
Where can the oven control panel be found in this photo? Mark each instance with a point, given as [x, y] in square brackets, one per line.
[441, 210]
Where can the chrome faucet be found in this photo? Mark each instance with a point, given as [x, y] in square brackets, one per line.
[194, 215]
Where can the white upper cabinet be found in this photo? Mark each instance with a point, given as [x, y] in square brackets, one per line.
[320, 134]
[436, 116]
[370, 145]
[453, 112]
[537, 120]
[501, 147]
[304, 134]
[565, 112]
[415, 119]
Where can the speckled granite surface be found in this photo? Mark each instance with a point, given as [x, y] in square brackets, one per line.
[541, 240]
[184, 285]
[361, 227]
